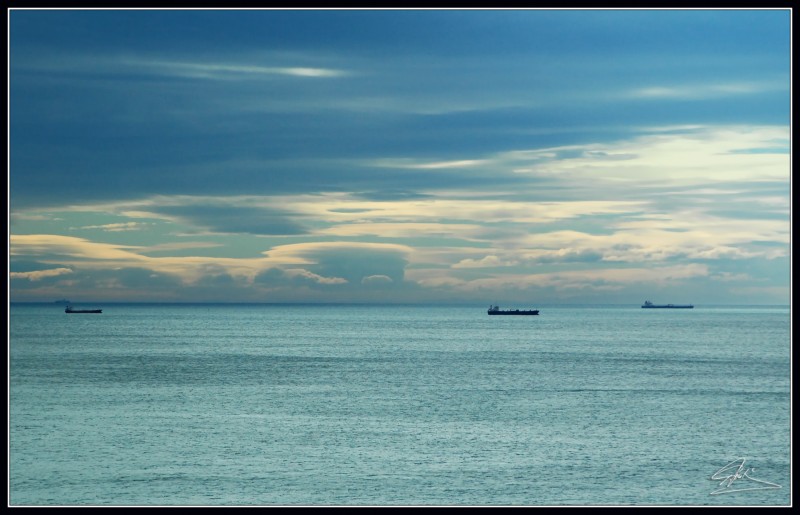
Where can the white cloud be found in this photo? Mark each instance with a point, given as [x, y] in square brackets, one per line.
[662, 239]
[405, 230]
[376, 279]
[416, 165]
[302, 252]
[180, 245]
[81, 248]
[485, 262]
[597, 279]
[250, 66]
[299, 272]
[228, 71]
[38, 275]
[117, 227]
[663, 157]
[708, 90]
[35, 217]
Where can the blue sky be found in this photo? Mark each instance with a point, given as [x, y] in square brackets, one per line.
[520, 157]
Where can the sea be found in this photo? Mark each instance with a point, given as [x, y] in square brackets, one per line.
[409, 405]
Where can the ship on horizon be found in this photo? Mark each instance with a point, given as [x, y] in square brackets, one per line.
[648, 304]
[495, 310]
[70, 309]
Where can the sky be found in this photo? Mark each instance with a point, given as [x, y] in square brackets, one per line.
[518, 157]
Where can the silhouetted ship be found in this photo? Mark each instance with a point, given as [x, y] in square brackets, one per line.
[70, 310]
[648, 304]
[495, 310]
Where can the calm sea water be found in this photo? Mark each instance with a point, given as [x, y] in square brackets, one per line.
[160, 405]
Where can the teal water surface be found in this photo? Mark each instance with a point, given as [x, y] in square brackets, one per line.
[239, 405]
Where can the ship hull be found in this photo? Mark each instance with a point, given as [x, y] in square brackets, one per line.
[670, 306]
[535, 312]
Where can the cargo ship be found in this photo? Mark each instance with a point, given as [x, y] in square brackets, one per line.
[495, 310]
[648, 304]
[70, 309]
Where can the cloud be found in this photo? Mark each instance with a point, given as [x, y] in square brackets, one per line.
[404, 230]
[348, 261]
[660, 240]
[253, 67]
[296, 273]
[317, 155]
[708, 90]
[485, 262]
[310, 251]
[117, 267]
[38, 275]
[212, 214]
[728, 277]
[24, 217]
[408, 164]
[117, 227]
[222, 218]
[179, 245]
[376, 279]
[80, 253]
[568, 255]
[696, 156]
[68, 246]
[596, 279]
[279, 278]
[228, 71]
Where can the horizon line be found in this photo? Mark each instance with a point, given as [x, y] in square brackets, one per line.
[354, 303]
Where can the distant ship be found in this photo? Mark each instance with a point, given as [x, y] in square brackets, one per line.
[648, 304]
[70, 310]
[495, 310]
